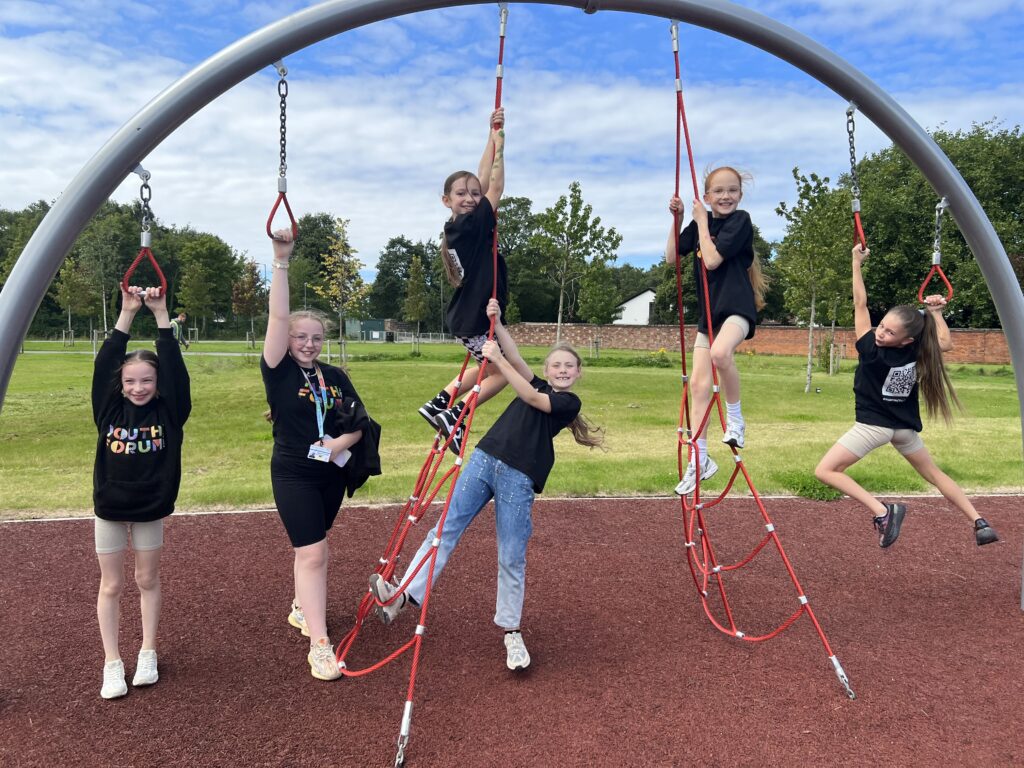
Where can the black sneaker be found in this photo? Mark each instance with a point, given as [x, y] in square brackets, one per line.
[984, 533]
[433, 408]
[448, 422]
[888, 525]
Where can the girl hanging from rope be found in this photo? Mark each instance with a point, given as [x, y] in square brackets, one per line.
[510, 464]
[736, 287]
[140, 403]
[896, 359]
[324, 444]
[467, 255]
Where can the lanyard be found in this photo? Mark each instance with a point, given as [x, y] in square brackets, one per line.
[321, 408]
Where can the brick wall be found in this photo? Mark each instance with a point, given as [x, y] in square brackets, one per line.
[969, 345]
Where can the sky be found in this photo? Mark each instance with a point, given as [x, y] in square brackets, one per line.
[379, 116]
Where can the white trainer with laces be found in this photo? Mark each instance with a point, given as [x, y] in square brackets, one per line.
[383, 591]
[687, 485]
[114, 685]
[734, 433]
[323, 664]
[145, 669]
[298, 619]
[516, 655]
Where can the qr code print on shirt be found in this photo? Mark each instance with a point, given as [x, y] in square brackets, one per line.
[900, 381]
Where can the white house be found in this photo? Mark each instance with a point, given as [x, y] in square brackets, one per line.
[637, 310]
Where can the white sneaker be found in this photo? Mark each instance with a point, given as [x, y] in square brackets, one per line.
[114, 685]
[145, 669]
[734, 433]
[383, 591]
[298, 619]
[516, 655]
[707, 469]
[323, 664]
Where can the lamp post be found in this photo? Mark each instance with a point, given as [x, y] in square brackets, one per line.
[305, 303]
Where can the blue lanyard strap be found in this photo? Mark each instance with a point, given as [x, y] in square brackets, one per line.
[321, 407]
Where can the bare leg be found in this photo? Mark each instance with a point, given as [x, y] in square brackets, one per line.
[147, 577]
[108, 603]
[729, 337]
[700, 389]
[926, 467]
[831, 470]
[311, 586]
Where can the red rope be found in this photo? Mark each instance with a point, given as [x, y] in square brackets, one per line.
[282, 197]
[935, 270]
[144, 253]
[704, 566]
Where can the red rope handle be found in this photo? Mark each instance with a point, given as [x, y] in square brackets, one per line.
[282, 197]
[858, 231]
[935, 270]
[144, 253]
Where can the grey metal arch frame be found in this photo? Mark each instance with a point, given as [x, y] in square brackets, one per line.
[44, 253]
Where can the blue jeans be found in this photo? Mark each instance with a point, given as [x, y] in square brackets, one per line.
[483, 478]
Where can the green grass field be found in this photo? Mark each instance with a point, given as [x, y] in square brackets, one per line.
[47, 439]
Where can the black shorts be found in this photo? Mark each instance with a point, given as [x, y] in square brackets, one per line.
[308, 498]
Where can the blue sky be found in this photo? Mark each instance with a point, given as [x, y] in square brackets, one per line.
[379, 116]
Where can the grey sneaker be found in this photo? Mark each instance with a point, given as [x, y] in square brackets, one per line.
[114, 685]
[984, 533]
[734, 434]
[323, 664]
[382, 592]
[298, 619]
[708, 468]
[448, 422]
[145, 669]
[433, 408]
[888, 525]
[516, 655]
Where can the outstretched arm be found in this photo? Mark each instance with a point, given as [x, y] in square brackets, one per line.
[275, 345]
[131, 303]
[935, 304]
[492, 163]
[861, 317]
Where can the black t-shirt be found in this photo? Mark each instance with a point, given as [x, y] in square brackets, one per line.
[885, 385]
[470, 238]
[137, 472]
[293, 408]
[523, 436]
[729, 285]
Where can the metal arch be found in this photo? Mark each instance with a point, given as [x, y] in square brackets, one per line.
[41, 259]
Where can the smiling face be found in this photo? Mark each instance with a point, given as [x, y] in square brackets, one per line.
[891, 332]
[463, 196]
[305, 339]
[723, 191]
[562, 370]
[138, 382]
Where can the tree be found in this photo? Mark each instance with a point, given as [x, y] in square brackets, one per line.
[249, 294]
[195, 295]
[599, 297]
[532, 297]
[75, 294]
[417, 298]
[571, 242]
[340, 282]
[387, 295]
[316, 233]
[814, 256]
[109, 243]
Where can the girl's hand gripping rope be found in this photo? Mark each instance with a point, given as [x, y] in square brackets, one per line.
[860, 254]
[935, 303]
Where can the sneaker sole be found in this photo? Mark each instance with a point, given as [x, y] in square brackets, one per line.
[890, 536]
[117, 695]
[733, 443]
[431, 420]
[986, 536]
[375, 582]
[518, 668]
[136, 683]
[317, 675]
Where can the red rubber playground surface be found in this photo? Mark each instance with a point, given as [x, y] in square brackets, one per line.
[627, 670]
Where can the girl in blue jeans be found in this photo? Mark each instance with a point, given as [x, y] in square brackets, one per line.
[510, 464]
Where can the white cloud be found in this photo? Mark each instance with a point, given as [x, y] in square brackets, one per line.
[372, 144]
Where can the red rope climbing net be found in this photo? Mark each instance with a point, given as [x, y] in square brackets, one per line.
[431, 481]
[707, 571]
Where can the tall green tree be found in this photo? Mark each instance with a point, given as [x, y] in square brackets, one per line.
[387, 295]
[599, 296]
[208, 260]
[316, 234]
[74, 290]
[572, 240]
[814, 256]
[340, 284]
[249, 294]
[417, 296]
[532, 296]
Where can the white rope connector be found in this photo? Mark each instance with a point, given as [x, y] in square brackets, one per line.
[770, 527]
[282, 184]
[421, 630]
[715, 388]
[738, 458]
[436, 542]
[413, 519]
[382, 560]
[685, 378]
[476, 388]
[690, 544]
[406, 719]
[717, 569]
[802, 599]
[740, 635]
[458, 461]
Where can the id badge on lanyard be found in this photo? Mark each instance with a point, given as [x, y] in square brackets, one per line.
[318, 451]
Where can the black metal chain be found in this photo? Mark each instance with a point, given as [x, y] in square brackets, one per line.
[282, 91]
[850, 128]
[146, 194]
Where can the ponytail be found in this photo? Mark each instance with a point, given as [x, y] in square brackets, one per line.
[936, 387]
[759, 282]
